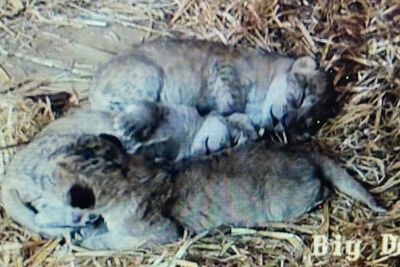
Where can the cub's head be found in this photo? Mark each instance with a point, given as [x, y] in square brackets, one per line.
[309, 99]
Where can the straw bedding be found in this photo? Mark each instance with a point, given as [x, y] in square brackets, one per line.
[55, 46]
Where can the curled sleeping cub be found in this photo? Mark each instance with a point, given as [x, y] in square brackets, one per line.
[273, 91]
[170, 132]
[92, 189]
[86, 186]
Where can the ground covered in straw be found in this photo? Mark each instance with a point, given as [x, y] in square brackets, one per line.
[54, 46]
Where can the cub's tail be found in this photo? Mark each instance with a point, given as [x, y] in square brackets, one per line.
[339, 178]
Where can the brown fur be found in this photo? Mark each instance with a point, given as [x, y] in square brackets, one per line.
[111, 200]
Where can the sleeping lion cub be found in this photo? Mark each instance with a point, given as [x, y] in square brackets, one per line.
[91, 189]
[275, 92]
[84, 187]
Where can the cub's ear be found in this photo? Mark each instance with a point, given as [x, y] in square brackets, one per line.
[304, 64]
[112, 139]
[306, 73]
[301, 79]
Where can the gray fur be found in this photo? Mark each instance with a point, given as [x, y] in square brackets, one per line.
[213, 77]
[140, 203]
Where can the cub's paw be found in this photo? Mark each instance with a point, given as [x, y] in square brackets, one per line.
[138, 121]
[241, 129]
[212, 136]
[113, 241]
[94, 242]
[128, 127]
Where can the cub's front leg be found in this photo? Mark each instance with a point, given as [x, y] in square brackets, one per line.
[129, 230]
[52, 215]
[226, 91]
[137, 123]
[112, 241]
[23, 212]
[241, 129]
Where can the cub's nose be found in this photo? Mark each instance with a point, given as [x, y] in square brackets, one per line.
[92, 218]
[79, 219]
[76, 218]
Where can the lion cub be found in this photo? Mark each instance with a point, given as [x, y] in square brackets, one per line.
[92, 189]
[89, 187]
[169, 132]
[275, 92]
[258, 183]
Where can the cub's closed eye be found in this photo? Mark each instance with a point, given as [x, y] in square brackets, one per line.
[31, 207]
[112, 139]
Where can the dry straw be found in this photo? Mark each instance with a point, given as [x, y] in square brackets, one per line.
[52, 46]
